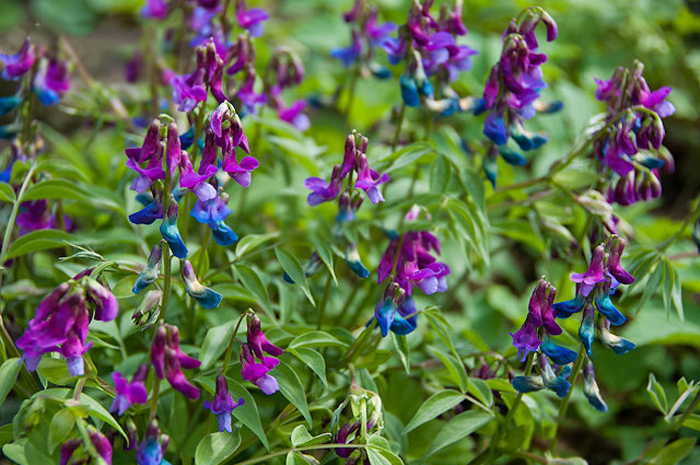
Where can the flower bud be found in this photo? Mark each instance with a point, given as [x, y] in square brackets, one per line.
[152, 270]
[203, 295]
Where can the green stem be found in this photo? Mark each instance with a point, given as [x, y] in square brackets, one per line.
[13, 217]
[351, 95]
[202, 251]
[565, 403]
[324, 302]
[493, 447]
[399, 123]
[229, 349]
[154, 398]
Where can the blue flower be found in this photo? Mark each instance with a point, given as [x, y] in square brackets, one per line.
[203, 295]
[153, 211]
[409, 91]
[495, 128]
[606, 307]
[511, 156]
[152, 270]
[223, 234]
[558, 354]
[586, 332]
[170, 233]
[569, 307]
[7, 104]
[590, 388]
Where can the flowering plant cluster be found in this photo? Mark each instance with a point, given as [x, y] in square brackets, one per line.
[137, 327]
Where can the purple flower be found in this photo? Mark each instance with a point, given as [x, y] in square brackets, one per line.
[250, 98]
[61, 321]
[258, 342]
[155, 9]
[348, 55]
[257, 372]
[20, 63]
[147, 176]
[540, 315]
[223, 404]
[368, 180]
[188, 89]
[294, 115]
[594, 274]
[34, 215]
[251, 19]
[67, 450]
[150, 147]
[377, 33]
[133, 68]
[129, 393]
[321, 191]
[51, 81]
[168, 360]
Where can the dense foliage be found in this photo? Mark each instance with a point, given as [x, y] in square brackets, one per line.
[333, 232]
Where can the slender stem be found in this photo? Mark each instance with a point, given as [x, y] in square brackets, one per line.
[399, 123]
[79, 387]
[691, 408]
[202, 251]
[493, 447]
[351, 95]
[565, 403]
[232, 342]
[13, 216]
[154, 397]
[324, 302]
[167, 259]
[266, 457]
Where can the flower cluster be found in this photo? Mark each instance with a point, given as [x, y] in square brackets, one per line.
[129, 393]
[429, 47]
[631, 142]
[191, 89]
[367, 34]
[411, 256]
[514, 85]
[257, 345]
[223, 404]
[594, 288]
[168, 360]
[286, 70]
[38, 214]
[354, 163]
[61, 322]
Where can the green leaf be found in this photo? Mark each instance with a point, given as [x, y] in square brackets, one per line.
[6, 434]
[316, 339]
[402, 350]
[481, 390]
[382, 457]
[302, 437]
[692, 422]
[9, 371]
[413, 153]
[292, 389]
[675, 452]
[440, 325]
[291, 265]
[15, 452]
[97, 410]
[248, 412]
[6, 193]
[436, 405]
[440, 175]
[252, 282]
[312, 359]
[55, 189]
[656, 391]
[55, 370]
[215, 448]
[253, 241]
[457, 428]
[61, 426]
[35, 241]
[323, 249]
[215, 343]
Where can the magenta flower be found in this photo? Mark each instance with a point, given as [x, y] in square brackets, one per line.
[594, 274]
[240, 172]
[223, 404]
[129, 393]
[540, 315]
[251, 19]
[168, 360]
[257, 372]
[35, 215]
[61, 321]
[368, 179]
[20, 63]
[155, 9]
[51, 81]
[257, 340]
